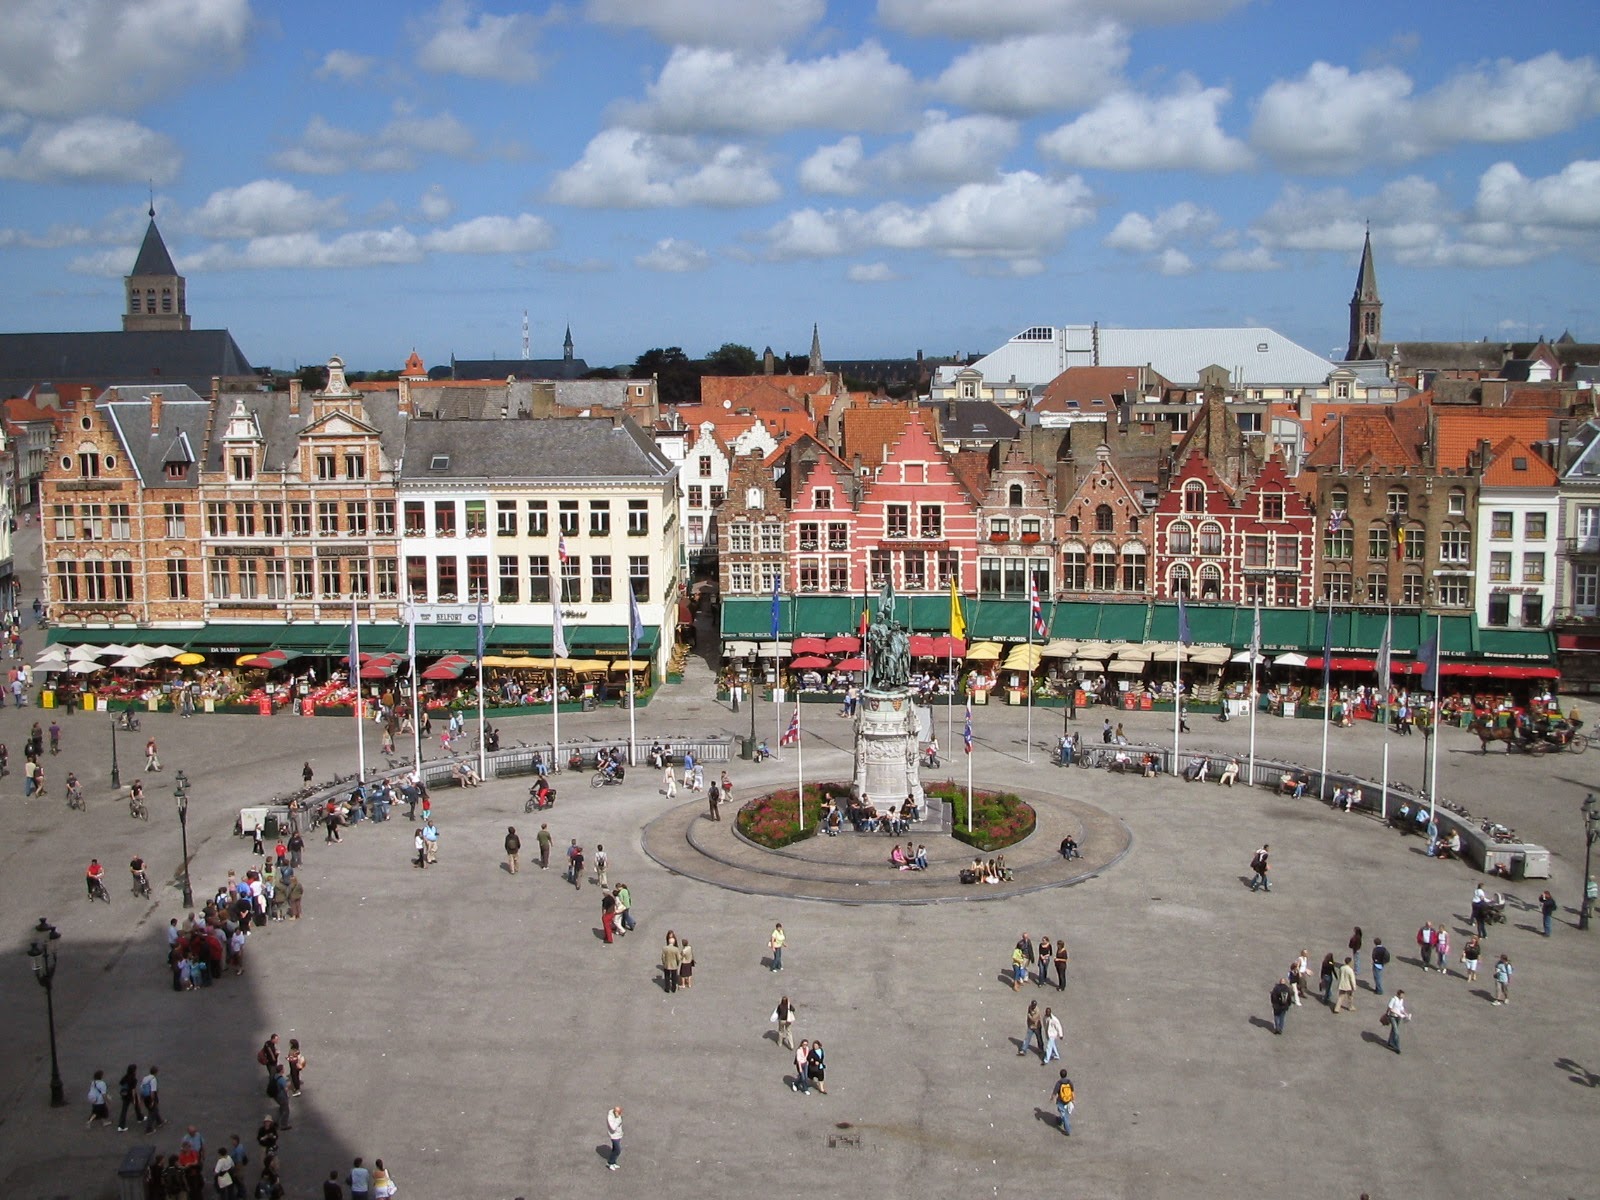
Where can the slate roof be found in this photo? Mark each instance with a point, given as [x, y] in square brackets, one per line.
[153, 257]
[573, 448]
[975, 421]
[1445, 356]
[179, 438]
[170, 357]
[501, 369]
[281, 429]
[1263, 356]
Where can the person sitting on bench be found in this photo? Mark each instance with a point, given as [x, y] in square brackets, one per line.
[1195, 772]
[1229, 773]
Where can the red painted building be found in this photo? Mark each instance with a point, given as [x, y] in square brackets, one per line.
[917, 523]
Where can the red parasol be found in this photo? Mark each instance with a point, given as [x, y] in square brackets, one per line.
[809, 662]
[850, 664]
[843, 644]
[810, 645]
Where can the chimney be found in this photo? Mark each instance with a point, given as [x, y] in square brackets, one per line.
[155, 413]
[294, 397]
[216, 386]
[403, 402]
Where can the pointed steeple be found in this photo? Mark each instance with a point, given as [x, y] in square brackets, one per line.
[566, 346]
[154, 291]
[1366, 309]
[814, 365]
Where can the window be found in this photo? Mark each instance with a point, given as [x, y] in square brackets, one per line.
[1533, 568]
[416, 519]
[1030, 528]
[914, 570]
[122, 580]
[600, 578]
[1180, 580]
[740, 535]
[272, 518]
[1453, 592]
[999, 529]
[1500, 567]
[505, 518]
[770, 576]
[772, 536]
[697, 496]
[1337, 586]
[243, 466]
[1211, 538]
[91, 522]
[178, 578]
[930, 518]
[1533, 526]
[1411, 588]
[1272, 506]
[249, 582]
[1500, 526]
[1255, 550]
[1339, 499]
[639, 576]
[1499, 610]
[244, 519]
[1256, 591]
[572, 579]
[121, 526]
[878, 568]
[741, 578]
[331, 578]
[221, 584]
[89, 464]
[1074, 568]
[1532, 611]
[697, 531]
[839, 575]
[477, 518]
[1105, 520]
[897, 521]
[638, 518]
[1398, 502]
[810, 575]
[538, 518]
[808, 535]
[600, 518]
[477, 578]
[1377, 587]
[1586, 590]
[1014, 495]
[388, 578]
[447, 573]
[444, 518]
[1456, 502]
[1210, 582]
[1133, 568]
[949, 567]
[300, 579]
[327, 518]
[1341, 389]
[1103, 568]
[1194, 497]
[1455, 546]
[538, 578]
[1413, 541]
[822, 498]
[1016, 579]
[277, 579]
[1287, 553]
[355, 465]
[216, 520]
[703, 466]
[327, 467]
[67, 525]
[66, 581]
[838, 535]
[567, 517]
[1179, 538]
[717, 494]
[1378, 542]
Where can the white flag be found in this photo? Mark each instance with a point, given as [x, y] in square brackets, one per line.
[558, 635]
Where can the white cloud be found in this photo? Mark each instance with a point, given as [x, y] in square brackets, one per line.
[1019, 216]
[65, 58]
[835, 170]
[875, 272]
[1173, 261]
[673, 255]
[1037, 73]
[710, 90]
[1569, 199]
[458, 40]
[327, 149]
[1405, 212]
[259, 208]
[712, 22]
[1129, 132]
[94, 149]
[945, 150]
[344, 66]
[581, 266]
[984, 20]
[309, 251]
[492, 235]
[1257, 258]
[624, 168]
[1139, 234]
[1333, 119]
[435, 204]
[1511, 101]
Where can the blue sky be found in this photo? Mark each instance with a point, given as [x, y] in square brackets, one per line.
[365, 178]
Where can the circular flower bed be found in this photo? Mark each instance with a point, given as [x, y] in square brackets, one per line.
[773, 820]
[999, 819]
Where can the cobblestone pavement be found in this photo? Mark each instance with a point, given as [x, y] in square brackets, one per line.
[469, 1026]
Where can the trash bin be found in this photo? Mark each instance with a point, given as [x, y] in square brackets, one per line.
[270, 828]
[588, 704]
[747, 748]
[130, 1174]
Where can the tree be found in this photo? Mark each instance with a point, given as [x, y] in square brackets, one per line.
[677, 379]
[732, 359]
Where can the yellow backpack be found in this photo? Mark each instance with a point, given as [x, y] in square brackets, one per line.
[1064, 1092]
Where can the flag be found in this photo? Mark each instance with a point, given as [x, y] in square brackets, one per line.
[1428, 660]
[958, 621]
[558, 635]
[1400, 541]
[1185, 636]
[561, 548]
[966, 735]
[1327, 649]
[791, 736]
[1386, 652]
[775, 581]
[480, 636]
[635, 622]
[1033, 604]
[866, 619]
[1255, 635]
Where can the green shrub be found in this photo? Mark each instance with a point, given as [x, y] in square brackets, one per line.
[999, 819]
[773, 820]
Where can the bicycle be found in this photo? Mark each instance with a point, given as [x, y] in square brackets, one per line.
[75, 798]
[97, 889]
[137, 809]
[141, 884]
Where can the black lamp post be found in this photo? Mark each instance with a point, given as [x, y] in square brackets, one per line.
[1591, 835]
[180, 788]
[44, 970]
[116, 772]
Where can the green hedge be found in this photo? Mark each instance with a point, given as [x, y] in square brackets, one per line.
[773, 820]
[999, 819]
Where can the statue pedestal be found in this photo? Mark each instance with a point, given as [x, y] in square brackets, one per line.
[886, 749]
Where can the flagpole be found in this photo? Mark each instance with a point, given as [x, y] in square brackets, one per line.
[1327, 698]
[483, 754]
[355, 680]
[950, 705]
[558, 651]
[1383, 793]
[416, 689]
[635, 634]
[1027, 673]
[1438, 655]
[968, 741]
[799, 763]
[1255, 701]
[1177, 703]
[633, 731]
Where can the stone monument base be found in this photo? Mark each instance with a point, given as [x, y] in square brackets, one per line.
[886, 748]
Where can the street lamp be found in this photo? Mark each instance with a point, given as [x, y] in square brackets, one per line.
[180, 789]
[44, 970]
[1591, 835]
[116, 772]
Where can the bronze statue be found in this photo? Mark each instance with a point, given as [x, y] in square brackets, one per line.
[888, 646]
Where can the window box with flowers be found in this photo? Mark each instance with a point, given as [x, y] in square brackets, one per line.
[1030, 538]
[999, 537]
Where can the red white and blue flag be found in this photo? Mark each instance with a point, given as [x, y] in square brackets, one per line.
[966, 734]
[1038, 613]
[792, 734]
[561, 547]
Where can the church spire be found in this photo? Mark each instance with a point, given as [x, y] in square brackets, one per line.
[814, 365]
[1366, 309]
[155, 290]
[566, 346]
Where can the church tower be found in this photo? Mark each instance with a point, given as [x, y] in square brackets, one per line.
[1366, 310]
[566, 346]
[155, 298]
[814, 365]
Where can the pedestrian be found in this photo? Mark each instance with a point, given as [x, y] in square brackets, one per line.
[1105, 732]
[686, 963]
[1061, 964]
[99, 1101]
[1258, 868]
[816, 1067]
[1355, 949]
[608, 917]
[1480, 910]
[714, 800]
[1046, 956]
[296, 892]
[222, 1173]
[513, 848]
[775, 943]
[430, 838]
[601, 861]
[544, 847]
[383, 1184]
[614, 1132]
[1425, 939]
[1328, 974]
[1470, 954]
[152, 760]
[267, 1136]
[802, 1057]
[727, 789]
[331, 1188]
[1346, 979]
[1034, 1033]
[1380, 960]
[421, 848]
[669, 782]
[306, 773]
[128, 1093]
[1019, 967]
[360, 1182]
[241, 1159]
[1052, 1035]
[1502, 983]
[267, 1056]
[1064, 1095]
[671, 963]
[1282, 998]
[624, 921]
[150, 1097]
[1393, 1015]
[1441, 946]
[572, 854]
[575, 863]
[784, 1016]
[297, 1063]
[1547, 909]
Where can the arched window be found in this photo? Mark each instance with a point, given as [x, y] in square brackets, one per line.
[1178, 581]
[1210, 582]
[1073, 567]
[1104, 519]
[752, 498]
[1180, 538]
[1015, 495]
[1133, 568]
[1103, 567]
[1194, 496]
[1210, 538]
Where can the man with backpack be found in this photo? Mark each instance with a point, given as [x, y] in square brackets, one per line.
[1282, 998]
[1063, 1093]
[1258, 867]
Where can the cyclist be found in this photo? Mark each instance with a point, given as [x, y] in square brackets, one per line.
[141, 881]
[92, 878]
[74, 789]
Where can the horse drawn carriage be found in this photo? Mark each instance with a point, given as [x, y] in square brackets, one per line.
[1539, 736]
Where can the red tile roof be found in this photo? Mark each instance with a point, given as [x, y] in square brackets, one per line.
[1084, 385]
[1514, 464]
[1359, 438]
[1457, 434]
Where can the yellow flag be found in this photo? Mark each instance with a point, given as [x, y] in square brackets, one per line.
[958, 623]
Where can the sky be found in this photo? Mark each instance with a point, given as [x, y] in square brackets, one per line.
[366, 178]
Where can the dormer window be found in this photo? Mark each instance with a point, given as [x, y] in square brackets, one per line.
[439, 462]
[823, 498]
[177, 470]
[243, 467]
[355, 466]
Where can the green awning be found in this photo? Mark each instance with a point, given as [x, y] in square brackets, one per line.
[998, 620]
[66, 635]
[814, 616]
[1536, 647]
[446, 639]
[1123, 623]
[922, 614]
[1075, 619]
[748, 617]
[225, 638]
[1282, 629]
